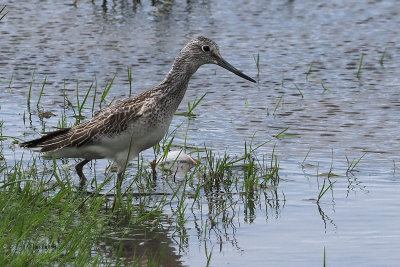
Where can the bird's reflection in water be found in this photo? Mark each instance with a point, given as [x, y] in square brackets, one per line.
[140, 244]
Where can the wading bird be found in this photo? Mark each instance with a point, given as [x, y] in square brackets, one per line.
[121, 131]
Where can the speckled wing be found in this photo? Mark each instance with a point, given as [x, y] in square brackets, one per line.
[110, 121]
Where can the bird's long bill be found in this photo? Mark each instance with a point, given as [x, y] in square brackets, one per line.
[226, 65]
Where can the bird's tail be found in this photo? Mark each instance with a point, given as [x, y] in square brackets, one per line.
[49, 141]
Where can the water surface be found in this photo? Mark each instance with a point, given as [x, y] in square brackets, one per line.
[309, 57]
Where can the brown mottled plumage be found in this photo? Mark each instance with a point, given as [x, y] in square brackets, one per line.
[121, 131]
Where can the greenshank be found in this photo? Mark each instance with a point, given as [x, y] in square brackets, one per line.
[121, 131]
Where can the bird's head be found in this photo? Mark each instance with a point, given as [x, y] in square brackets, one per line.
[202, 50]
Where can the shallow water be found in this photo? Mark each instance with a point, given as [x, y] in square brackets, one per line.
[339, 114]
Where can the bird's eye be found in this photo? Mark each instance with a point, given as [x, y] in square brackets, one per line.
[205, 48]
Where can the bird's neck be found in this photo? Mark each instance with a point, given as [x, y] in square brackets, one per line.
[177, 79]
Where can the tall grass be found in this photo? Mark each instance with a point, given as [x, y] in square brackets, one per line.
[47, 224]
[40, 226]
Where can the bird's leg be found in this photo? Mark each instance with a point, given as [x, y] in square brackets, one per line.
[79, 171]
[120, 177]
[153, 165]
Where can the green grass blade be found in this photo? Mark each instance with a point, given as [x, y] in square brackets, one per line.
[86, 97]
[282, 132]
[309, 70]
[41, 91]
[95, 94]
[382, 57]
[130, 81]
[107, 89]
[30, 90]
[277, 104]
[360, 66]
[1, 11]
[298, 89]
[304, 160]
